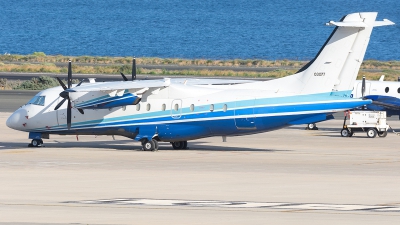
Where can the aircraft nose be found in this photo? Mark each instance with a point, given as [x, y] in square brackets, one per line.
[17, 119]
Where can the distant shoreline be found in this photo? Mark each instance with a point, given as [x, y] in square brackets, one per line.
[39, 62]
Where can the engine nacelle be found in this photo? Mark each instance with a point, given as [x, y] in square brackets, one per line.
[110, 102]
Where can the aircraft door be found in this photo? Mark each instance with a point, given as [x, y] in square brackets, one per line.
[176, 108]
[244, 114]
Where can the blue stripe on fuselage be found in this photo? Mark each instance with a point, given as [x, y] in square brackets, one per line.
[269, 113]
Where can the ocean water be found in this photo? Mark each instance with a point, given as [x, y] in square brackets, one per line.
[211, 29]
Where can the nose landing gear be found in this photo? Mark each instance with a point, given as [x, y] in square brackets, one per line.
[36, 143]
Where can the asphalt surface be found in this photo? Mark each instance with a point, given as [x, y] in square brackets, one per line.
[289, 176]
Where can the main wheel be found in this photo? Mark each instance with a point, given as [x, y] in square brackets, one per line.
[345, 133]
[179, 144]
[176, 145]
[184, 144]
[155, 145]
[382, 134]
[312, 126]
[149, 145]
[371, 133]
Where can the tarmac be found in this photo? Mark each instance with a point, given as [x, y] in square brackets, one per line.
[289, 176]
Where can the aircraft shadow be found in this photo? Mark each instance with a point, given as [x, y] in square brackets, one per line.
[126, 145]
[331, 132]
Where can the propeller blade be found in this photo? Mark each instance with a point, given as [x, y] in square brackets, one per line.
[363, 87]
[81, 111]
[134, 69]
[69, 74]
[60, 104]
[61, 83]
[69, 115]
[124, 77]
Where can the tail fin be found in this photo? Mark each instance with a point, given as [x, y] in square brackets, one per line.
[336, 65]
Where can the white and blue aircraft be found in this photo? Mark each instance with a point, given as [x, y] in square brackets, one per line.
[385, 95]
[176, 110]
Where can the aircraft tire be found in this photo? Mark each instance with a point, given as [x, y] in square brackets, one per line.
[179, 145]
[36, 143]
[312, 126]
[155, 145]
[148, 145]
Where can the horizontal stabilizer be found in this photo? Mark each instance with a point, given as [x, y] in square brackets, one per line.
[385, 22]
[360, 24]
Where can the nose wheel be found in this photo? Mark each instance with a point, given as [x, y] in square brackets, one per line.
[36, 143]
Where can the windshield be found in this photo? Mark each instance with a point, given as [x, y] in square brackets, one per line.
[37, 100]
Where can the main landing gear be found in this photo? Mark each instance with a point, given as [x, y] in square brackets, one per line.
[150, 145]
[179, 145]
[36, 143]
[311, 126]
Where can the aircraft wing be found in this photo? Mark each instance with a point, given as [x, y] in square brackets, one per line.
[139, 84]
[209, 81]
[121, 85]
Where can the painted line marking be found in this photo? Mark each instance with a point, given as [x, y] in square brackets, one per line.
[242, 204]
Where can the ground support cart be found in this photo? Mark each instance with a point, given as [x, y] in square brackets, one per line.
[371, 122]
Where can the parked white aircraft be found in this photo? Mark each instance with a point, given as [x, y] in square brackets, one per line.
[176, 111]
[385, 95]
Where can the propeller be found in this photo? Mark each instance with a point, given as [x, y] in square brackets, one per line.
[133, 71]
[65, 95]
[363, 87]
[363, 91]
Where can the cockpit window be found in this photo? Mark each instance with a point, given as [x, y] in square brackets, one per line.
[37, 100]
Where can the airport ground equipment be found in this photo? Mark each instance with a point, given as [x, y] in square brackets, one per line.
[371, 122]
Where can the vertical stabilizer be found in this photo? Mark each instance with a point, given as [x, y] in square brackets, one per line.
[336, 65]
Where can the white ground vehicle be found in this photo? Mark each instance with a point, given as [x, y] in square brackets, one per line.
[371, 122]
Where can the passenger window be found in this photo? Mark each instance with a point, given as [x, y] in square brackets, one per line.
[163, 107]
[212, 107]
[148, 107]
[398, 90]
[176, 107]
[387, 89]
[225, 107]
[191, 107]
[138, 107]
